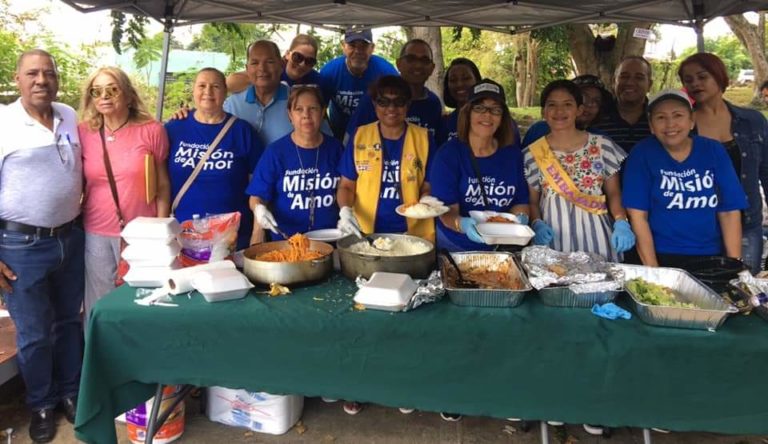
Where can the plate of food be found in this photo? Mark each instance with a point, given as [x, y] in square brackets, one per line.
[421, 210]
[493, 217]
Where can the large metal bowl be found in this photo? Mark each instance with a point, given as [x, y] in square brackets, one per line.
[287, 273]
[353, 264]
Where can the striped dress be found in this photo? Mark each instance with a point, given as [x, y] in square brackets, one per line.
[577, 229]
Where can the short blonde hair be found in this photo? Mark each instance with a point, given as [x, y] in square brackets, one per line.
[137, 111]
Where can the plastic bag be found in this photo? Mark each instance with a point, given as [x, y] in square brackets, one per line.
[208, 239]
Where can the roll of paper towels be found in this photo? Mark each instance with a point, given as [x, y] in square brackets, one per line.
[180, 281]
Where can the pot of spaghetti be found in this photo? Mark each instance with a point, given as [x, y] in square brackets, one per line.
[297, 260]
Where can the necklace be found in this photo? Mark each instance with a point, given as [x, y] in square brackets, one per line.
[111, 136]
[312, 191]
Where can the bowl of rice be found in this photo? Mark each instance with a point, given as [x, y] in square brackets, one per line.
[393, 253]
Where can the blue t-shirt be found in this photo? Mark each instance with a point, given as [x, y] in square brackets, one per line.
[220, 186]
[426, 113]
[310, 78]
[344, 90]
[453, 180]
[387, 220]
[292, 186]
[451, 124]
[682, 198]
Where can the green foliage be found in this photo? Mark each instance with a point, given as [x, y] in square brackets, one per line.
[729, 49]
[147, 51]
[330, 47]
[232, 38]
[132, 27]
[178, 93]
[554, 55]
[389, 44]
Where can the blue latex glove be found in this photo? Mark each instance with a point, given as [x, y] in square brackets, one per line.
[469, 227]
[610, 311]
[544, 233]
[622, 238]
[522, 217]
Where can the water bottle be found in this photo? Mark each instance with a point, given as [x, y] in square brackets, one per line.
[757, 291]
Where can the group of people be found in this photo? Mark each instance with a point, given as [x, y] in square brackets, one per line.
[658, 181]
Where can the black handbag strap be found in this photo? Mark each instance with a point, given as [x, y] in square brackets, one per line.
[111, 178]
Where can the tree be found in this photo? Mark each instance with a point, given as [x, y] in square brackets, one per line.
[729, 49]
[147, 51]
[233, 38]
[600, 56]
[754, 41]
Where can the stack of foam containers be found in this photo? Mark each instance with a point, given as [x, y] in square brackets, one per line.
[152, 250]
[257, 411]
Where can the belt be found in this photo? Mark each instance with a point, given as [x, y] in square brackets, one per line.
[37, 231]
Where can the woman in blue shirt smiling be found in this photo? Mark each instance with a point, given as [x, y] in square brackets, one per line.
[682, 194]
[294, 184]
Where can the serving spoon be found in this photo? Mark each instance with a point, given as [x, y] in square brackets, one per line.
[460, 281]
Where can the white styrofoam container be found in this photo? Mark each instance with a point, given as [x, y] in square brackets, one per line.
[180, 281]
[149, 255]
[386, 291]
[155, 276]
[257, 411]
[482, 216]
[143, 228]
[505, 234]
[221, 285]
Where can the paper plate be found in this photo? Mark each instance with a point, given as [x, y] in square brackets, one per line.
[325, 235]
[438, 211]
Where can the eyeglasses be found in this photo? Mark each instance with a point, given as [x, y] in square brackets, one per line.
[299, 58]
[482, 109]
[410, 58]
[104, 91]
[386, 102]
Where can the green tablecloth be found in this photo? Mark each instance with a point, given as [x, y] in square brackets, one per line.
[531, 362]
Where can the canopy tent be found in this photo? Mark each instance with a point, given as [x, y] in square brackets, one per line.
[507, 16]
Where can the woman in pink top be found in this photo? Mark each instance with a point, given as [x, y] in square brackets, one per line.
[114, 118]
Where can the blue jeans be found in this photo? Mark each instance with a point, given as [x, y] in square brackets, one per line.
[45, 306]
[752, 248]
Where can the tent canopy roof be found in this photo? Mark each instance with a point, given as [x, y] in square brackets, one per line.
[499, 15]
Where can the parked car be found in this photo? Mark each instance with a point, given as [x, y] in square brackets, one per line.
[745, 76]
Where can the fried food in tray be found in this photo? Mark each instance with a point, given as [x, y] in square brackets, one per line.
[487, 274]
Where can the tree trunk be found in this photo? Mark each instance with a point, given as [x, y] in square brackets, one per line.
[603, 65]
[521, 69]
[532, 72]
[748, 35]
[432, 36]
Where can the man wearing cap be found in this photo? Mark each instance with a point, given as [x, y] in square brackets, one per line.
[627, 122]
[415, 65]
[345, 79]
[41, 246]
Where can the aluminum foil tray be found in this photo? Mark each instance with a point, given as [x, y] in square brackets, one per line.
[481, 297]
[712, 309]
[565, 297]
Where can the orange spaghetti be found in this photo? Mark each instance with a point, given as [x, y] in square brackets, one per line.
[298, 251]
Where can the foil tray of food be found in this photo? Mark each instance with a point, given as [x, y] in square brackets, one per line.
[671, 297]
[497, 278]
[571, 280]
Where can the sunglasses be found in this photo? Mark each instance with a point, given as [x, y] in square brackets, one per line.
[106, 91]
[386, 102]
[482, 109]
[299, 58]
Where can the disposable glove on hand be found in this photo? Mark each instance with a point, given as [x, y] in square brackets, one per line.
[522, 218]
[264, 217]
[431, 201]
[622, 238]
[469, 227]
[544, 233]
[348, 223]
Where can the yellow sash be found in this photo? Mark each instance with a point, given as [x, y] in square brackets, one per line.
[560, 182]
[369, 160]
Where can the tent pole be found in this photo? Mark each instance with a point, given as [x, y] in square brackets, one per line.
[698, 26]
[168, 28]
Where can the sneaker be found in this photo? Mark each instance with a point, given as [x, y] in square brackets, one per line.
[451, 417]
[592, 429]
[405, 411]
[328, 400]
[556, 423]
[352, 408]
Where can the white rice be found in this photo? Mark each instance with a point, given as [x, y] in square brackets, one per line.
[390, 247]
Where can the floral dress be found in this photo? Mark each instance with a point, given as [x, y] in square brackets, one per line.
[589, 167]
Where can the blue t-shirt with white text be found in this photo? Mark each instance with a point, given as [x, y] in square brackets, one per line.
[291, 187]
[220, 186]
[387, 220]
[310, 78]
[682, 198]
[453, 180]
[343, 90]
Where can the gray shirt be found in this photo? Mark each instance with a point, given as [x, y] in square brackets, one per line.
[41, 171]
